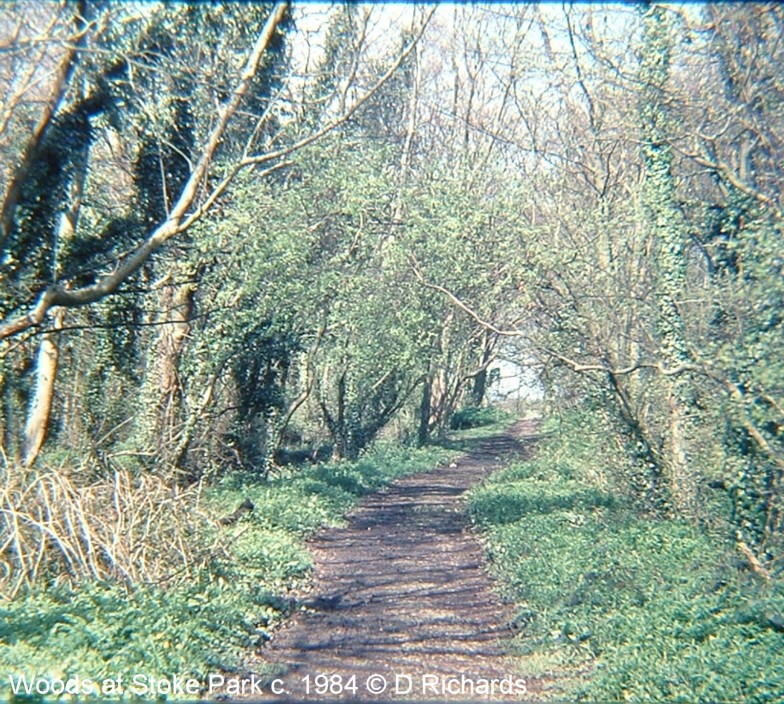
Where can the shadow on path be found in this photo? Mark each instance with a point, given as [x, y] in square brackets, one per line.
[402, 590]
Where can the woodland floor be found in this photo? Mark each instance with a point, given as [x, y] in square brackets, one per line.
[403, 590]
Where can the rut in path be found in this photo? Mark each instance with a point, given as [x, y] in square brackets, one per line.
[402, 589]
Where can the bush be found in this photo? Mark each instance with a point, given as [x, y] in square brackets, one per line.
[657, 610]
[131, 528]
[100, 630]
[476, 417]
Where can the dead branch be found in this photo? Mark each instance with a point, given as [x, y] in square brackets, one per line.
[754, 562]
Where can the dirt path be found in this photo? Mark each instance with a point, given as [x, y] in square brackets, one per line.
[402, 592]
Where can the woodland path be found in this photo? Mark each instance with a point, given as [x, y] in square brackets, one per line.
[403, 590]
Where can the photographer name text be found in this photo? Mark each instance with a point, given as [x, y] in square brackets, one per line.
[389, 685]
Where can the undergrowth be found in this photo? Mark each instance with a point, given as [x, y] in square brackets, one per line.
[477, 417]
[624, 607]
[205, 621]
[465, 439]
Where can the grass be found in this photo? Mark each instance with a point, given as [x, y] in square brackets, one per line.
[464, 439]
[614, 606]
[207, 623]
[477, 417]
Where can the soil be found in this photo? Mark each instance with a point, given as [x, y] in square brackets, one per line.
[403, 592]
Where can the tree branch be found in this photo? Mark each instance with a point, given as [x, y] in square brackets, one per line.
[305, 141]
[462, 306]
[58, 296]
[571, 363]
[178, 220]
[31, 148]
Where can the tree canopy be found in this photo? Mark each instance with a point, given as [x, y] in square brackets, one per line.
[233, 234]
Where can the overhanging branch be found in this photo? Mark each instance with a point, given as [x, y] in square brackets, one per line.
[574, 365]
[60, 296]
[180, 219]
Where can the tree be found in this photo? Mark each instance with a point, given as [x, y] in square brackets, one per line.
[668, 232]
[182, 157]
[182, 213]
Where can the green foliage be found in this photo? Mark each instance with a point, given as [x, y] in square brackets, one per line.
[300, 500]
[748, 287]
[593, 233]
[657, 610]
[474, 417]
[101, 630]
[207, 622]
[291, 261]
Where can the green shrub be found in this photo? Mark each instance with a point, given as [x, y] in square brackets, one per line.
[101, 631]
[476, 417]
[657, 610]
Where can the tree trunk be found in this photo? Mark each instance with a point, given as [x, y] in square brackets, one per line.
[48, 348]
[668, 229]
[41, 402]
[479, 388]
[177, 308]
[423, 434]
[310, 373]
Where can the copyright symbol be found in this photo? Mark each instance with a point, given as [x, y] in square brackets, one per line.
[376, 684]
